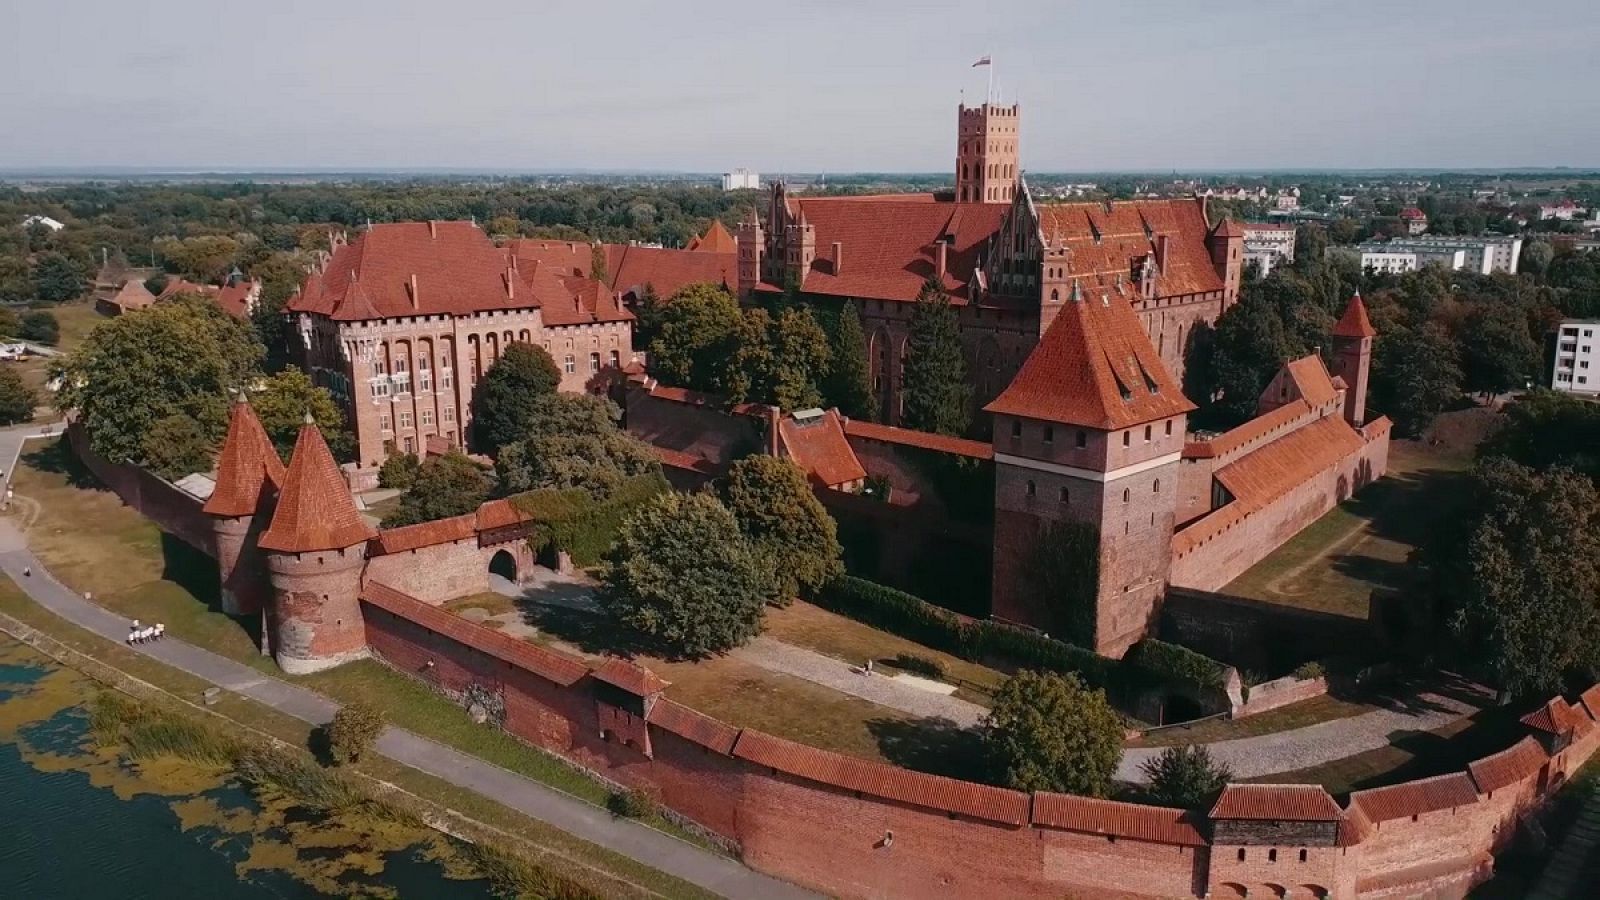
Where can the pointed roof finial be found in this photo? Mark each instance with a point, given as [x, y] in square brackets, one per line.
[309, 418]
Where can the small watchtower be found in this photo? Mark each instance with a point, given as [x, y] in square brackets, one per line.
[986, 152]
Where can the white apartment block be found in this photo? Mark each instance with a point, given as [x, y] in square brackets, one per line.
[1483, 255]
[1268, 244]
[1577, 368]
[1380, 258]
[741, 180]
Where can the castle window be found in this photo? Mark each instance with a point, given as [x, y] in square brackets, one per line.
[1302, 856]
[427, 417]
[1156, 488]
[1147, 434]
[1126, 494]
[594, 362]
[1049, 434]
[383, 422]
[1064, 495]
[1127, 438]
[571, 363]
[449, 413]
[616, 360]
[1169, 428]
[1016, 429]
[1241, 854]
[1083, 439]
[1272, 855]
[1032, 489]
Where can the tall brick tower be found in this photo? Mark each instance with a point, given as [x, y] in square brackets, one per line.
[1352, 357]
[1226, 246]
[1087, 442]
[986, 153]
[248, 478]
[316, 548]
[752, 244]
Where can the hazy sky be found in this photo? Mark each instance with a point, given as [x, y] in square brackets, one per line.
[865, 85]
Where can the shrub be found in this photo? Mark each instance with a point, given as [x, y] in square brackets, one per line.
[573, 521]
[1186, 777]
[633, 803]
[920, 665]
[399, 471]
[1170, 661]
[40, 326]
[353, 731]
[1309, 670]
[1048, 732]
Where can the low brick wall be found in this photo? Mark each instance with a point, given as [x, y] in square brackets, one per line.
[1280, 692]
[175, 512]
[1252, 634]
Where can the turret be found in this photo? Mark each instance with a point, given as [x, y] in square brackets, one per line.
[986, 153]
[316, 549]
[752, 244]
[1352, 357]
[1226, 246]
[248, 478]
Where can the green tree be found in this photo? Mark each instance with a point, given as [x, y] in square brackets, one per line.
[1498, 352]
[16, 282]
[597, 263]
[1528, 584]
[399, 471]
[1536, 257]
[848, 384]
[281, 274]
[1544, 429]
[790, 359]
[39, 326]
[1047, 732]
[1186, 777]
[785, 522]
[1414, 376]
[176, 446]
[698, 340]
[183, 357]
[281, 402]
[354, 731]
[573, 442]
[505, 399]
[57, 279]
[1247, 348]
[682, 575]
[10, 325]
[205, 258]
[936, 393]
[17, 399]
[157, 283]
[444, 487]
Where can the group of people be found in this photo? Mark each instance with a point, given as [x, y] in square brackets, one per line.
[138, 634]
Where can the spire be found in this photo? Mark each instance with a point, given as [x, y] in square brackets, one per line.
[315, 510]
[1354, 323]
[248, 463]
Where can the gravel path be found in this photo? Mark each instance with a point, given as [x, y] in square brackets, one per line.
[776, 656]
[1324, 742]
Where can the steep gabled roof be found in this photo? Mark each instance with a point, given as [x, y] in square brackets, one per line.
[247, 463]
[1278, 802]
[888, 244]
[567, 257]
[133, 296]
[1094, 367]
[234, 298]
[1311, 379]
[1228, 228]
[315, 510]
[1106, 241]
[1354, 323]
[821, 450]
[667, 271]
[717, 239]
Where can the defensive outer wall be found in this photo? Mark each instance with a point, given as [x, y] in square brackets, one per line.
[855, 828]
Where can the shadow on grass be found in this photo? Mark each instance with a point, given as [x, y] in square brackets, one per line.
[592, 631]
[935, 746]
[57, 458]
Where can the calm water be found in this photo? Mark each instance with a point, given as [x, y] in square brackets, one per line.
[78, 822]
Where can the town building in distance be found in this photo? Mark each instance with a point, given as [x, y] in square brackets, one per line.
[1577, 362]
[1267, 244]
[741, 180]
[1482, 255]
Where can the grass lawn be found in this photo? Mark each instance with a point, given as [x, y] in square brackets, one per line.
[846, 639]
[489, 601]
[1285, 718]
[1364, 544]
[608, 873]
[1415, 754]
[76, 319]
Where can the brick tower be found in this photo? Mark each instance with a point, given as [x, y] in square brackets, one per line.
[248, 478]
[1226, 246]
[986, 153]
[752, 244]
[316, 548]
[1090, 432]
[1352, 357]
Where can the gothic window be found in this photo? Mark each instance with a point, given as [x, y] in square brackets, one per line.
[1064, 495]
[1032, 488]
[1082, 439]
[594, 363]
[1126, 495]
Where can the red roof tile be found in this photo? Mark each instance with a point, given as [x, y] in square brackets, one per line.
[1354, 323]
[546, 663]
[573, 300]
[888, 244]
[879, 780]
[1558, 717]
[248, 462]
[820, 449]
[1157, 824]
[315, 510]
[1590, 699]
[1263, 475]
[1311, 379]
[1283, 802]
[1108, 242]
[501, 513]
[1413, 798]
[427, 534]
[632, 268]
[631, 677]
[176, 286]
[133, 296]
[678, 459]
[694, 726]
[715, 240]
[563, 257]
[236, 298]
[1411, 212]
[1228, 228]
[1253, 430]
[1095, 367]
[1354, 827]
[1509, 766]
[927, 440]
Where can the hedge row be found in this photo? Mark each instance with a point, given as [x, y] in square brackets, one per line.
[573, 521]
[1151, 662]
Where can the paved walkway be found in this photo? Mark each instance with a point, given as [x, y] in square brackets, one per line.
[776, 656]
[1313, 745]
[653, 848]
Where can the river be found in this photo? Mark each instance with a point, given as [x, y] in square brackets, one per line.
[79, 821]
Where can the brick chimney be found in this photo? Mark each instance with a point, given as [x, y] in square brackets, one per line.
[942, 255]
[1161, 252]
[415, 302]
[838, 256]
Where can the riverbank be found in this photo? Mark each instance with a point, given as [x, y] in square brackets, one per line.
[437, 803]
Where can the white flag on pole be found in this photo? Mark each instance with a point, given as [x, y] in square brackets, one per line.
[982, 61]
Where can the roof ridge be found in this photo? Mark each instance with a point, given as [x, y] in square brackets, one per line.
[315, 509]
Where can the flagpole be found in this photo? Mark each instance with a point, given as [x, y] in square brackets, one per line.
[990, 67]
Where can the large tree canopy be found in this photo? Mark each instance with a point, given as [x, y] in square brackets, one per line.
[444, 486]
[182, 357]
[781, 515]
[935, 393]
[699, 333]
[281, 402]
[505, 400]
[1047, 732]
[848, 384]
[573, 442]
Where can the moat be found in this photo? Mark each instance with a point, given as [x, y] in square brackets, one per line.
[78, 820]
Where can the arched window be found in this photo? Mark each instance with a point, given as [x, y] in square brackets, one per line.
[1126, 495]
[1156, 488]
[1147, 434]
[1065, 497]
[1032, 488]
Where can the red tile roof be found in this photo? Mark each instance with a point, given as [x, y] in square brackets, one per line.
[1509, 766]
[1282, 802]
[1413, 798]
[1264, 475]
[547, 664]
[1558, 717]
[1354, 323]
[315, 510]
[1411, 212]
[1354, 827]
[715, 240]
[1108, 242]
[694, 726]
[501, 513]
[631, 677]
[1094, 367]
[427, 534]
[679, 459]
[421, 268]
[176, 286]
[248, 462]
[1228, 228]
[878, 780]
[927, 440]
[667, 271]
[235, 298]
[578, 301]
[888, 244]
[1311, 379]
[1255, 429]
[133, 296]
[1590, 699]
[1157, 824]
[564, 257]
[820, 449]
